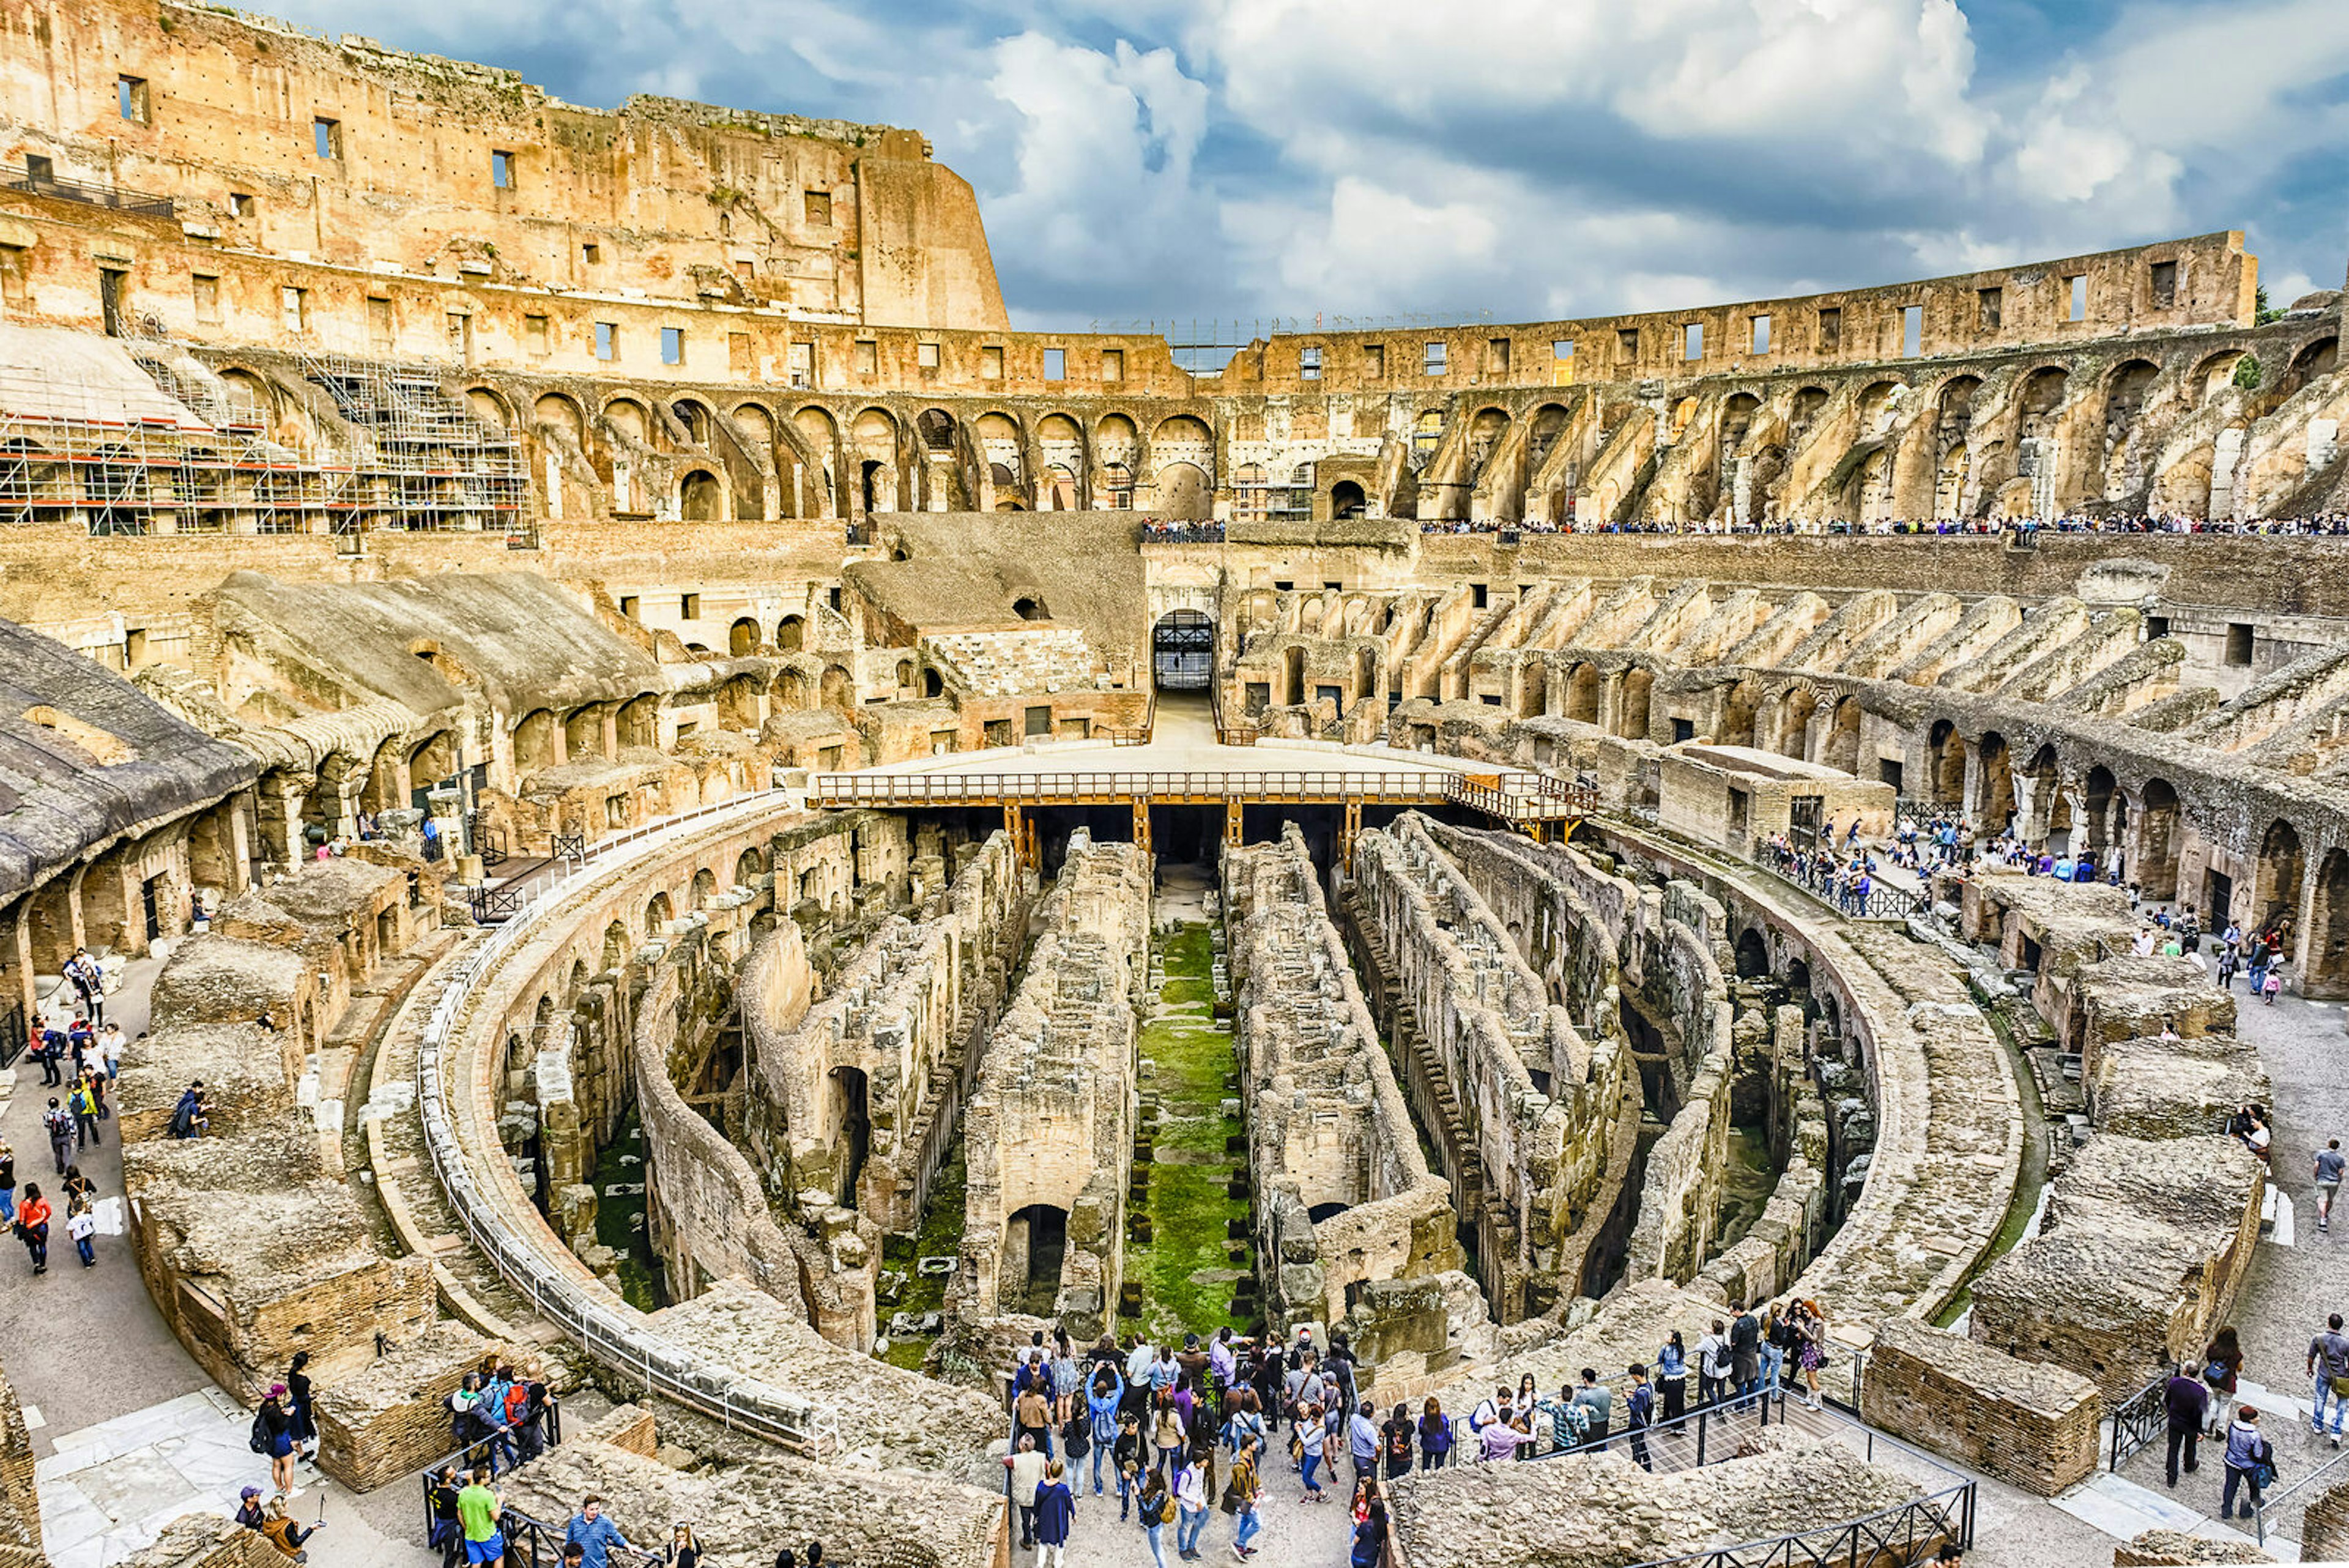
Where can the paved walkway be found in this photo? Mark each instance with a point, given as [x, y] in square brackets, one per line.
[128, 1431]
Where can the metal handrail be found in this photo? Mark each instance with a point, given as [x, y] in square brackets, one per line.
[866, 788]
[1883, 902]
[1948, 1514]
[2140, 1420]
[2323, 1471]
[90, 192]
[615, 1337]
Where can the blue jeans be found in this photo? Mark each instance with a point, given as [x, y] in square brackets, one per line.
[7, 1205]
[1158, 1551]
[2235, 1479]
[2316, 1403]
[1774, 1362]
[1250, 1525]
[81, 1244]
[1100, 1452]
[1312, 1463]
[1189, 1526]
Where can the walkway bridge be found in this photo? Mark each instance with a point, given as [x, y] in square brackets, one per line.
[1544, 806]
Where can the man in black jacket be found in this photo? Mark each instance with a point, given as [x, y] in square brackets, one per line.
[1745, 1350]
[2187, 1399]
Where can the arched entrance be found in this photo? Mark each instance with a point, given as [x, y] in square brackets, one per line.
[1183, 651]
[1347, 499]
[1946, 755]
[2275, 896]
[850, 1115]
[2326, 957]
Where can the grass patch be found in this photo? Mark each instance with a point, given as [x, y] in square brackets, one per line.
[940, 1235]
[1190, 1205]
[619, 1220]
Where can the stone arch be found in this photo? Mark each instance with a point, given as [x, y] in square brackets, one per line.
[1347, 499]
[2154, 867]
[693, 416]
[2316, 358]
[1737, 713]
[1945, 764]
[2099, 800]
[659, 913]
[705, 888]
[1636, 694]
[629, 417]
[562, 412]
[1182, 494]
[1183, 651]
[2275, 890]
[1839, 748]
[2214, 374]
[1582, 693]
[1795, 721]
[756, 421]
[1753, 954]
[701, 496]
[490, 407]
[742, 638]
[2324, 960]
[749, 866]
[639, 720]
[836, 690]
[790, 633]
[533, 740]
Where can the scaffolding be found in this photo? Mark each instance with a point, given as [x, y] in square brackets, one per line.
[203, 457]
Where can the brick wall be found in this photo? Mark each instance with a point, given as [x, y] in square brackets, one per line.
[2325, 1528]
[391, 1419]
[2022, 1422]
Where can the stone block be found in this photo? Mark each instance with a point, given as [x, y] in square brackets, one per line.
[2026, 1423]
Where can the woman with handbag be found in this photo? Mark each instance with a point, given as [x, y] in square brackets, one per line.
[2222, 1362]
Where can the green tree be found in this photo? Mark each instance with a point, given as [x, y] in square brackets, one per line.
[2248, 373]
[2261, 311]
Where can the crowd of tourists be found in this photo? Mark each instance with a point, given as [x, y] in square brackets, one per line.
[1180, 1432]
[2201, 1398]
[2331, 523]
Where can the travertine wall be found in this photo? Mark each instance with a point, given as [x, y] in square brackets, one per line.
[897, 1034]
[2025, 1423]
[1050, 1123]
[1344, 1197]
[1536, 1100]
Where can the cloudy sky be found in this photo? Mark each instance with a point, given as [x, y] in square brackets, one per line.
[1517, 157]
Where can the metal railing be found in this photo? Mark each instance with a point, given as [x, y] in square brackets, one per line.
[1832, 885]
[90, 192]
[833, 790]
[2268, 1514]
[2139, 1422]
[14, 1034]
[463, 1460]
[492, 905]
[1180, 533]
[1907, 1534]
[611, 1332]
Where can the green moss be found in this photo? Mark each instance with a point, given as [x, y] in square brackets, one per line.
[619, 1220]
[940, 1236]
[1183, 1269]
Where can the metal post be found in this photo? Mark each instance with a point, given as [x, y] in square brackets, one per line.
[1141, 823]
[1232, 820]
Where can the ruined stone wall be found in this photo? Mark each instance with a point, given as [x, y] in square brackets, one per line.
[907, 1014]
[1051, 1122]
[1344, 1197]
[2025, 1423]
[1540, 1159]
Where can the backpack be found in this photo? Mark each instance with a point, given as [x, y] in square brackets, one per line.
[58, 1121]
[1076, 1437]
[1153, 1509]
[259, 1441]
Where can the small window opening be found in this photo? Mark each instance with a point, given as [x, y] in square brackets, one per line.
[608, 340]
[131, 94]
[2239, 643]
[1989, 306]
[1760, 343]
[1831, 329]
[327, 137]
[2076, 286]
[501, 170]
[1912, 330]
[2165, 284]
[1056, 364]
[1308, 364]
[672, 345]
[1432, 360]
[1693, 340]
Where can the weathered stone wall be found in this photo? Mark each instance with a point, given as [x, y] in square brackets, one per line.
[390, 1418]
[1051, 1122]
[1344, 1197]
[2025, 1423]
[1538, 1144]
[903, 1021]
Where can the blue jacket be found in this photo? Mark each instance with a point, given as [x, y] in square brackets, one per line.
[1056, 1509]
[1105, 1407]
[2246, 1450]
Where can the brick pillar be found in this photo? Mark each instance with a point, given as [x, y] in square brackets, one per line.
[2325, 1530]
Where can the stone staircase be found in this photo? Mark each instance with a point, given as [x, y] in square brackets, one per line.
[1426, 1082]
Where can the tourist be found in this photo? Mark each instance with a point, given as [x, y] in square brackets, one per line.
[1222, 1363]
[1242, 1496]
[2251, 1461]
[1166, 1436]
[1435, 1436]
[2272, 987]
[283, 1533]
[1153, 1509]
[1713, 1364]
[2222, 1364]
[1598, 1399]
[478, 1514]
[1126, 1457]
[1332, 1437]
[80, 1226]
[1362, 1441]
[1191, 1503]
[1055, 1512]
[448, 1532]
[1671, 1376]
[1245, 1422]
[1745, 1350]
[2186, 1400]
[2328, 1367]
[193, 1116]
[2256, 1137]
[1395, 1442]
[2329, 1168]
[684, 1547]
[1026, 1468]
[249, 1512]
[31, 1226]
[593, 1533]
[1778, 1345]
[274, 1426]
[58, 1123]
[1811, 1354]
[1031, 1412]
[1067, 1384]
[1638, 1411]
[84, 1103]
[88, 983]
[1569, 1423]
[109, 1051]
[297, 1396]
[7, 1183]
[1305, 1443]
[1370, 1538]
